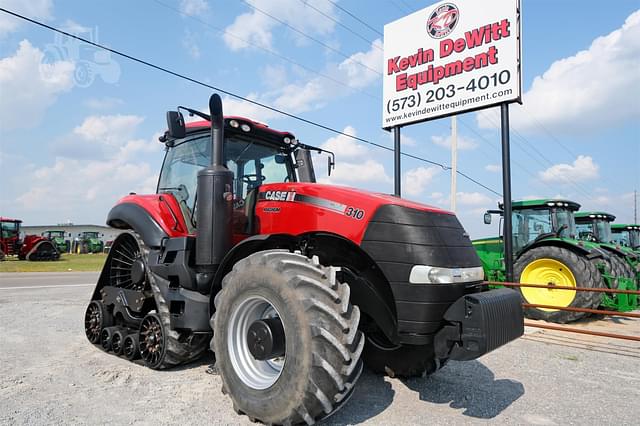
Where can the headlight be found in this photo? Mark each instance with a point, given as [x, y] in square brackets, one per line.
[423, 274]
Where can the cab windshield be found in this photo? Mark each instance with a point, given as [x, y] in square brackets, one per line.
[603, 231]
[9, 229]
[566, 223]
[90, 235]
[253, 163]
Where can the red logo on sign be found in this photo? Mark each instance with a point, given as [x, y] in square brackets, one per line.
[443, 20]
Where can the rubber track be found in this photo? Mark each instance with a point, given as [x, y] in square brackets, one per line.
[176, 352]
[326, 301]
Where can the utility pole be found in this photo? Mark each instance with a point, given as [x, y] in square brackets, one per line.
[635, 206]
[454, 161]
[397, 174]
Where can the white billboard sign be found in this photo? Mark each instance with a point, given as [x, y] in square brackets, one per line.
[452, 57]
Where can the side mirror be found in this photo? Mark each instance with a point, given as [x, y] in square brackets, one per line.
[331, 164]
[175, 124]
[487, 218]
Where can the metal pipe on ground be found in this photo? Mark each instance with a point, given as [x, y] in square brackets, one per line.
[561, 287]
[580, 331]
[587, 310]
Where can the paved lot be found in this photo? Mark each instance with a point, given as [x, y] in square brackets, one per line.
[50, 374]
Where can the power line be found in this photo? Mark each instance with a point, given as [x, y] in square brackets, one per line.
[302, 33]
[341, 24]
[356, 18]
[233, 95]
[270, 51]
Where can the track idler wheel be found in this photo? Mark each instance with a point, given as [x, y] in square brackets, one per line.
[96, 318]
[106, 337]
[130, 347]
[117, 341]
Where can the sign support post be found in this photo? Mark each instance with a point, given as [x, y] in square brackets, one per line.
[506, 190]
[396, 161]
[454, 161]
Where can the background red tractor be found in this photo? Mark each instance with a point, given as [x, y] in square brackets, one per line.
[32, 247]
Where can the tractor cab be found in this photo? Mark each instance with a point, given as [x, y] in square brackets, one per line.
[256, 154]
[626, 235]
[594, 226]
[533, 220]
[10, 235]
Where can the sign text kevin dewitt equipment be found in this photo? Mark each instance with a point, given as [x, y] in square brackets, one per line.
[451, 57]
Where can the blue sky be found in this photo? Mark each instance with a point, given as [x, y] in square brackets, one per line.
[70, 145]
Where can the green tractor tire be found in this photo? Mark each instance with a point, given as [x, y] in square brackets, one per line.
[558, 266]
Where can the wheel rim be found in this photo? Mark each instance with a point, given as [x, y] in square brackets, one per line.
[116, 343]
[93, 322]
[151, 340]
[129, 347]
[549, 272]
[254, 373]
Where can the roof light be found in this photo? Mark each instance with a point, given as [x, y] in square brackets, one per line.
[245, 127]
[287, 140]
[551, 204]
[294, 142]
[234, 124]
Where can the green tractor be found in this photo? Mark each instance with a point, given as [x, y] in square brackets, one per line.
[626, 235]
[88, 242]
[58, 239]
[596, 227]
[546, 251]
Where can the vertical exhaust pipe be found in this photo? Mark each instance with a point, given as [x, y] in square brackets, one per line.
[215, 198]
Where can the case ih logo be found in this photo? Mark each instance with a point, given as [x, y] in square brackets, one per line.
[443, 20]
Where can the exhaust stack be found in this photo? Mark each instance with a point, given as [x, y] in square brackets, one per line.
[215, 197]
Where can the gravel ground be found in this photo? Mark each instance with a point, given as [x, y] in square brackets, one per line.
[50, 374]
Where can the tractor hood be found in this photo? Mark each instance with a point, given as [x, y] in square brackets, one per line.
[298, 208]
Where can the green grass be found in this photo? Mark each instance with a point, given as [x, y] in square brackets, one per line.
[67, 263]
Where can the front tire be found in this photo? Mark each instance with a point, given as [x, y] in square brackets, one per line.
[322, 344]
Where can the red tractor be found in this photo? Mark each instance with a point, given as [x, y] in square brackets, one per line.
[33, 247]
[292, 284]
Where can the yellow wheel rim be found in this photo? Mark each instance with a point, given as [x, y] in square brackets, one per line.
[549, 272]
[78, 249]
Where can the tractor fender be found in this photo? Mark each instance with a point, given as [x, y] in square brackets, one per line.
[370, 290]
[133, 216]
[618, 252]
[578, 249]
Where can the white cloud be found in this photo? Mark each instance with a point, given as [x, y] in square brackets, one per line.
[257, 28]
[591, 90]
[193, 7]
[493, 168]
[190, 44]
[103, 103]
[30, 87]
[416, 181]
[300, 96]
[364, 172]
[359, 76]
[125, 164]
[35, 9]
[344, 146]
[583, 168]
[473, 199]
[464, 143]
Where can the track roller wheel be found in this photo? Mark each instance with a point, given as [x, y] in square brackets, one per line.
[152, 341]
[117, 341]
[130, 347]
[106, 337]
[286, 338]
[96, 318]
